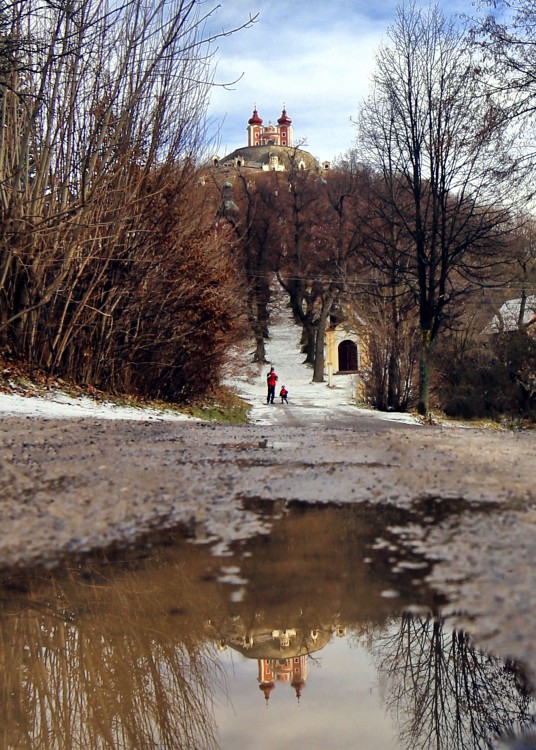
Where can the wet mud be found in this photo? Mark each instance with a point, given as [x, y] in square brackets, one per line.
[454, 509]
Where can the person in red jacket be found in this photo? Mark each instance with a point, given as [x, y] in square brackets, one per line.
[284, 394]
[271, 380]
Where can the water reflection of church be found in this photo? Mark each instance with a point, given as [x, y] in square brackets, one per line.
[292, 671]
[281, 654]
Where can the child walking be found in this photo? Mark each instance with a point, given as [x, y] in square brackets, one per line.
[283, 394]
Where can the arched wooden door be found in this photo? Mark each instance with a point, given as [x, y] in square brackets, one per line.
[347, 356]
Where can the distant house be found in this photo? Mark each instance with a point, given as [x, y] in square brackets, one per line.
[513, 315]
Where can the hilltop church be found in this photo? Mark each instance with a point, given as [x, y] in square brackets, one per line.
[270, 148]
[270, 135]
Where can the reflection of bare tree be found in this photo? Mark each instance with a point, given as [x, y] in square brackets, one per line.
[123, 655]
[444, 693]
[101, 672]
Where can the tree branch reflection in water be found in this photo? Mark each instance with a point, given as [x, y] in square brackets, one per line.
[99, 670]
[124, 653]
[443, 692]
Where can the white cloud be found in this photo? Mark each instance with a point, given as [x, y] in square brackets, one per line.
[320, 95]
[317, 57]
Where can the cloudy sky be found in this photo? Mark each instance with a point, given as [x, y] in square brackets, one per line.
[316, 56]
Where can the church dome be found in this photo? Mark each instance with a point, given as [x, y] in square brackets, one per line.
[255, 119]
[284, 119]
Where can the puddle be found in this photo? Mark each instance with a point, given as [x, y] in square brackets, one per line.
[302, 635]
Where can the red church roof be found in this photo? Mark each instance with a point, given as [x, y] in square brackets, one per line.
[255, 119]
[284, 119]
[266, 688]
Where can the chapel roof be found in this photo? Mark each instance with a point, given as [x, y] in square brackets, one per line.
[284, 119]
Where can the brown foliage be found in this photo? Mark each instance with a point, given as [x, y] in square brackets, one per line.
[184, 309]
[148, 310]
[110, 272]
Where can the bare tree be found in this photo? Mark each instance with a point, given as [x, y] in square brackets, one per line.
[440, 146]
[298, 196]
[255, 227]
[338, 246]
[504, 35]
[96, 99]
[385, 300]
[314, 238]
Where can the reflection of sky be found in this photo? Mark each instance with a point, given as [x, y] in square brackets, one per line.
[340, 706]
[316, 57]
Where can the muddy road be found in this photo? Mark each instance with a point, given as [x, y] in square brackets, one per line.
[468, 496]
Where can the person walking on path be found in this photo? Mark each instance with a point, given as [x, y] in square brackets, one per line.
[283, 394]
[271, 380]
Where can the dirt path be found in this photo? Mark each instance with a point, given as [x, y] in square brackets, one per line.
[75, 485]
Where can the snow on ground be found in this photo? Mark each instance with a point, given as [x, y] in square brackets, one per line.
[58, 405]
[308, 401]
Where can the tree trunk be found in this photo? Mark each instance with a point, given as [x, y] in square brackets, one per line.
[310, 335]
[423, 405]
[318, 375]
[259, 355]
[393, 382]
[258, 329]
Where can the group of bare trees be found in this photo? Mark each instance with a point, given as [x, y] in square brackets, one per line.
[442, 146]
[428, 211]
[445, 693]
[110, 269]
[119, 269]
[299, 229]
